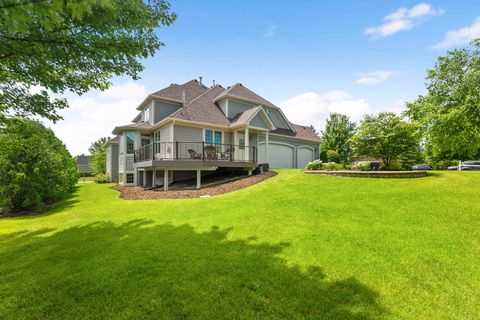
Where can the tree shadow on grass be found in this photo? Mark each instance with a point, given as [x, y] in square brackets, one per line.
[141, 270]
[68, 202]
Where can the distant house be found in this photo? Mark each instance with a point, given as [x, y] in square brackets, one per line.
[83, 164]
[185, 129]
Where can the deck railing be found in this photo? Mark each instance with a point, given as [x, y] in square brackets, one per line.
[200, 151]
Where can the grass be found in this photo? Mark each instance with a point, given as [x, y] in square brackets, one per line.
[295, 246]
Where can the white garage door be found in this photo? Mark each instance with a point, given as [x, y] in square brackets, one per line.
[280, 156]
[305, 155]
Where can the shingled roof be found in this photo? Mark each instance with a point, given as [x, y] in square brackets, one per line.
[132, 126]
[203, 109]
[243, 93]
[201, 106]
[300, 132]
[174, 92]
[243, 117]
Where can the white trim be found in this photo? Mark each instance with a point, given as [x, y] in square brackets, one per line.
[258, 128]
[279, 142]
[239, 99]
[213, 130]
[284, 118]
[294, 138]
[307, 147]
[151, 97]
[304, 147]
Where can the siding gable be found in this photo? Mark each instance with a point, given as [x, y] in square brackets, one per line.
[277, 118]
[236, 107]
[163, 110]
[258, 122]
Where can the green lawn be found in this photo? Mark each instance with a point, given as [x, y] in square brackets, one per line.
[293, 247]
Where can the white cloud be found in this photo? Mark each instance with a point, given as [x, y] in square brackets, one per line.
[94, 115]
[270, 32]
[374, 77]
[313, 108]
[460, 36]
[403, 19]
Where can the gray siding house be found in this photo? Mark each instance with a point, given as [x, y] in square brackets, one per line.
[184, 130]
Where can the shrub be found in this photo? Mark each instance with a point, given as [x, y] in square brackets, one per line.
[314, 165]
[362, 166]
[333, 156]
[442, 164]
[35, 167]
[329, 166]
[339, 166]
[348, 167]
[394, 166]
[101, 178]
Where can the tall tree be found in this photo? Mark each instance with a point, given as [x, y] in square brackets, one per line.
[98, 150]
[63, 45]
[388, 137]
[449, 114]
[338, 131]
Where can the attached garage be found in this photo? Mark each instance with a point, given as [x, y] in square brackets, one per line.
[279, 155]
[304, 155]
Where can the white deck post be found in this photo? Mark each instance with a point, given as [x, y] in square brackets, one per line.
[235, 143]
[144, 178]
[199, 179]
[165, 180]
[247, 144]
[154, 178]
[266, 148]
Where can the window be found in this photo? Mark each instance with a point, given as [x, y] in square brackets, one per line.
[145, 141]
[130, 178]
[146, 114]
[213, 137]
[241, 142]
[130, 142]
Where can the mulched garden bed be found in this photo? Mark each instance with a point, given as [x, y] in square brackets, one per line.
[139, 193]
[370, 174]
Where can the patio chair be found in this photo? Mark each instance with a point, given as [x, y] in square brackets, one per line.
[193, 154]
[228, 154]
[210, 152]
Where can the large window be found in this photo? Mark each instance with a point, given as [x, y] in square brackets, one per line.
[130, 178]
[130, 142]
[213, 137]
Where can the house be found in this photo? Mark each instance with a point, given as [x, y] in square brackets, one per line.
[186, 130]
[83, 164]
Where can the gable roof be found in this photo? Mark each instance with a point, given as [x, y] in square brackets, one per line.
[132, 126]
[301, 132]
[203, 109]
[114, 140]
[174, 92]
[246, 116]
[238, 91]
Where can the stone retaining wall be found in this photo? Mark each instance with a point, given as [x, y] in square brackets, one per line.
[370, 174]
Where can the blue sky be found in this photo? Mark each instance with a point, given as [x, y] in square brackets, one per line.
[308, 57]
